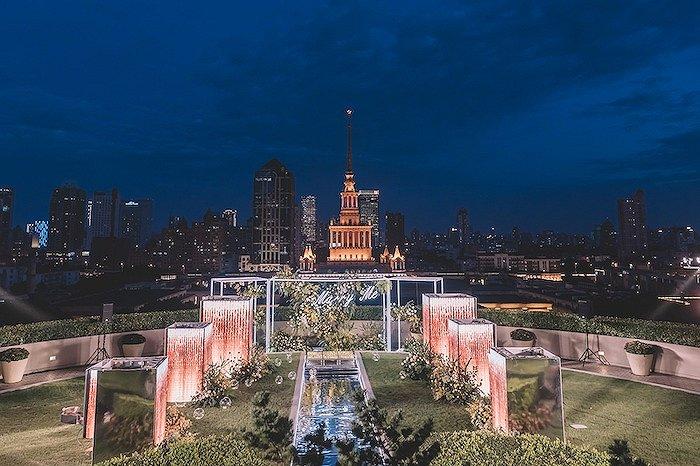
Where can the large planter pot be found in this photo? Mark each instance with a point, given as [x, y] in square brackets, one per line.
[640, 364]
[526, 343]
[13, 371]
[133, 351]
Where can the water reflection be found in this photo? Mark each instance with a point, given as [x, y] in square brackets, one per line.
[328, 399]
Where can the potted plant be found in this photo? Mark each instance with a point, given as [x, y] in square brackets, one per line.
[132, 345]
[640, 355]
[522, 337]
[13, 362]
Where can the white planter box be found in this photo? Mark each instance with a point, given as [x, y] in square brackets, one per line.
[133, 350]
[640, 364]
[13, 371]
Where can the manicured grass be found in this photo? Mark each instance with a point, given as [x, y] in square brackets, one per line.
[662, 425]
[31, 432]
[223, 421]
[412, 397]
[30, 428]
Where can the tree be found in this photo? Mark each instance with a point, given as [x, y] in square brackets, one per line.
[314, 444]
[271, 432]
[620, 455]
[385, 439]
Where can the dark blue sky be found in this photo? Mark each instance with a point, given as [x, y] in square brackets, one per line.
[532, 114]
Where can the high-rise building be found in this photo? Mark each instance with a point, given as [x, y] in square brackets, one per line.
[605, 237]
[273, 214]
[369, 211]
[136, 220]
[7, 199]
[40, 230]
[350, 239]
[308, 219]
[633, 226]
[463, 226]
[395, 230]
[230, 217]
[104, 214]
[206, 241]
[67, 222]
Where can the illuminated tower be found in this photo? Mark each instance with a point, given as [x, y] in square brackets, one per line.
[350, 239]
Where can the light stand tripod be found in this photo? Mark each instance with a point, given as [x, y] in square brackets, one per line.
[100, 352]
[588, 352]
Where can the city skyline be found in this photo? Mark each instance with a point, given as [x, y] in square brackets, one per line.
[603, 112]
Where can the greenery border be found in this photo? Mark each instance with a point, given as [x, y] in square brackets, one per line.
[661, 331]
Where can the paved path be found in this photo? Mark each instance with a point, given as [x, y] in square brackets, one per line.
[41, 378]
[659, 380]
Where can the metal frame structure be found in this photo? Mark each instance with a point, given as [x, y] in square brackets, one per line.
[270, 288]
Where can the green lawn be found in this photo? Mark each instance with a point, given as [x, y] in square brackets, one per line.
[662, 426]
[412, 397]
[31, 432]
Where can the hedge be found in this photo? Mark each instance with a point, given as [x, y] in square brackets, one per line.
[669, 332]
[84, 326]
[484, 448]
[480, 448]
[205, 451]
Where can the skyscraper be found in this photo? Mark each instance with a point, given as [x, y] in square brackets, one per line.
[605, 237]
[273, 214]
[40, 229]
[308, 219]
[369, 211]
[136, 220]
[104, 214]
[463, 226]
[7, 198]
[395, 234]
[67, 222]
[633, 226]
[230, 217]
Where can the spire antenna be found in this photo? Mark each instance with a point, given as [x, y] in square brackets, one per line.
[348, 157]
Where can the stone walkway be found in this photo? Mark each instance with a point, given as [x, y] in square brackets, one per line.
[659, 380]
[41, 378]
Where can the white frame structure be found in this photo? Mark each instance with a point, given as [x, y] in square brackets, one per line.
[270, 287]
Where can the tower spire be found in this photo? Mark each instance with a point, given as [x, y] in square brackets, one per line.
[348, 156]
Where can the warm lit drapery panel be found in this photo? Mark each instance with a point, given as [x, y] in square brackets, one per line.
[89, 403]
[438, 308]
[160, 408]
[188, 347]
[232, 319]
[469, 343]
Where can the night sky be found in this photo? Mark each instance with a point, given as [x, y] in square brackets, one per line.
[532, 114]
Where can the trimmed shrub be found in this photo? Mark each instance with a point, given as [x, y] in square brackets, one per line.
[205, 451]
[14, 354]
[638, 347]
[520, 334]
[84, 326]
[484, 448]
[669, 332]
[132, 339]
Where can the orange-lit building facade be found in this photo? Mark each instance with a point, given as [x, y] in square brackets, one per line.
[350, 240]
